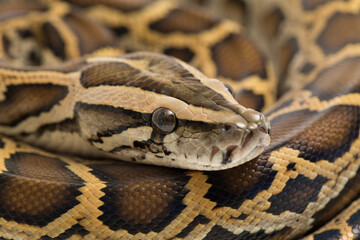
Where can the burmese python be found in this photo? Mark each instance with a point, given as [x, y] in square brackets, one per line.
[306, 176]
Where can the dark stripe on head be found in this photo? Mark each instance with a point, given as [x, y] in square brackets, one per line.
[109, 120]
[48, 189]
[23, 101]
[68, 125]
[162, 75]
[149, 205]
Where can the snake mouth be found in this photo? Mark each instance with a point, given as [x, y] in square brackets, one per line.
[249, 147]
[226, 155]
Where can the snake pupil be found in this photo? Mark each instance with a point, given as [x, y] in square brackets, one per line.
[163, 120]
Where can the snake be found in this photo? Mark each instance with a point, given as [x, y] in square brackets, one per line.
[142, 119]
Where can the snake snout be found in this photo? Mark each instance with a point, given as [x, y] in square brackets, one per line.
[256, 121]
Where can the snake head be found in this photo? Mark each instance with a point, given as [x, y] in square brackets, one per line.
[153, 109]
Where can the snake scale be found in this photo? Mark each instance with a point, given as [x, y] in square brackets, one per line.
[95, 79]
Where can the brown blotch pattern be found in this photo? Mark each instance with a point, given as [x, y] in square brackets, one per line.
[36, 189]
[341, 29]
[272, 22]
[317, 135]
[120, 31]
[186, 20]
[9, 8]
[53, 40]
[337, 80]
[123, 5]
[307, 68]
[236, 10]
[328, 139]
[297, 194]
[286, 53]
[237, 57]
[184, 54]
[285, 126]
[27, 100]
[140, 198]
[91, 35]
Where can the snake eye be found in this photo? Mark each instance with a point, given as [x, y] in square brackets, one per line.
[163, 120]
[229, 88]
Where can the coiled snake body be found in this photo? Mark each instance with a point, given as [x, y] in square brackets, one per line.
[78, 96]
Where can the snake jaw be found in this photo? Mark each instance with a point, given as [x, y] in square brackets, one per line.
[226, 146]
[250, 143]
